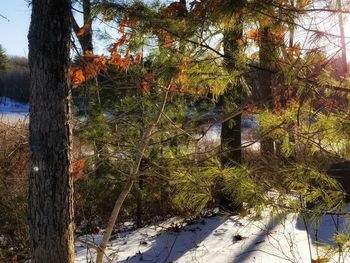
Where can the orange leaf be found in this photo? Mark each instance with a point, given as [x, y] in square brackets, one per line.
[82, 30]
[251, 109]
[278, 36]
[172, 87]
[254, 35]
[138, 58]
[143, 86]
[122, 25]
[145, 82]
[125, 62]
[77, 169]
[117, 44]
[115, 59]
[174, 9]
[121, 40]
[90, 66]
[76, 76]
[295, 50]
[184, 88]
[168, 41]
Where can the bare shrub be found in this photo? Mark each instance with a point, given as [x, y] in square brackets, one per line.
[13, 190]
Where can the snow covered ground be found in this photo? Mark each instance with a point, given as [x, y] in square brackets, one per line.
[12, 111]
[222, 239]
[218, 239]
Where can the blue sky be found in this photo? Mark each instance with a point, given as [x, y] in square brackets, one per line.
[13, 33]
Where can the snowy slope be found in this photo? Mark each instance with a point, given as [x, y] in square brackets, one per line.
[12, 111]
[221, 239]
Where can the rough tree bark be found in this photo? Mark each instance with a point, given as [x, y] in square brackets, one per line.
[85, 40]
[230, 101]
[267, 56]
[50, 183]
[231, 129]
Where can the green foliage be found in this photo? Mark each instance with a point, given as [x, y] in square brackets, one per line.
[94, 196]
[342, 240]
[193, 188]
[173, 171]
[301, 128]
[242, 186]
[196, 188]
[316, 189]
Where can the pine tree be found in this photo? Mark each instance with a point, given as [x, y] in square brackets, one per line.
[50, 181]
[232, 98]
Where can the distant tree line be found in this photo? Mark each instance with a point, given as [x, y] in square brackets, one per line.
[3, 59]
[14, 79]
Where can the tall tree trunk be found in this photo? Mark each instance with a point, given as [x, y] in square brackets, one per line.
[50, 183]
[231, 139]
[85, 40]
[87, 37]
[267, 56]
[230, 101]
[231, 129]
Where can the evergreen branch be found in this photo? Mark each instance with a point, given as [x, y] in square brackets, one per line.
[133, 175]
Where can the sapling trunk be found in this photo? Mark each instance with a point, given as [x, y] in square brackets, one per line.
[133, 176]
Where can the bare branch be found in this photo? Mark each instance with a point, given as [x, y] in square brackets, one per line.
[4, 17]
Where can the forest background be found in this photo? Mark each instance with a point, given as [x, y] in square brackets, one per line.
[174, 71]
